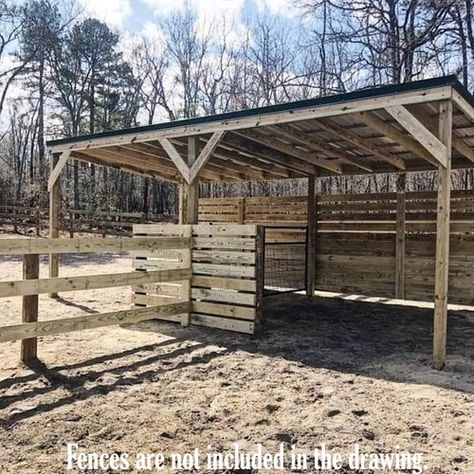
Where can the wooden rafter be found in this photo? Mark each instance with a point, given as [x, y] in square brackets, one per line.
[413, 126]
[291, 150]
[294, 134]
[389, 131]
[258, 152]
[359, 141]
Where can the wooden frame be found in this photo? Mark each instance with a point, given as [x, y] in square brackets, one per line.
[31, 286]
[378, 131]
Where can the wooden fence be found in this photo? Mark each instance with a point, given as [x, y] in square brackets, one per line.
[225, 290]
[75, 221]
[31, 285]
[372, 244]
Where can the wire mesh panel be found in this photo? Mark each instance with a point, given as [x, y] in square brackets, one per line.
[285, 253]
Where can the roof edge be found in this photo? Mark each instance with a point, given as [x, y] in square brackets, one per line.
[365, 93]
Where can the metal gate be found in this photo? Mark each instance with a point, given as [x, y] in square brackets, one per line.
[285, 259]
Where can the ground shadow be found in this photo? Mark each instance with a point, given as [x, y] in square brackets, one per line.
[370, 339]
[105, 379]
[377, 340]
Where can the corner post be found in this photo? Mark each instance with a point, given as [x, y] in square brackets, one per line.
[442, 240]
[311, 238]
[54, 204]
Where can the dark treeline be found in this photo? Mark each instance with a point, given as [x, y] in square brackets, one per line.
[62, 74]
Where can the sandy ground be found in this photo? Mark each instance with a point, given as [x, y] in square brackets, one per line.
[327, 371]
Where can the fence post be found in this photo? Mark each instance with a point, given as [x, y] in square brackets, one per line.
[71, 224]
[38, 222]
[400, 247]
[15, 220]
[30, 308]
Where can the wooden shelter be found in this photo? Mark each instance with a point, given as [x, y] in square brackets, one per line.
[425, 125]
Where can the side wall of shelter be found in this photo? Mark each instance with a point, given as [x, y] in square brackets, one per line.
[372, 244]
[224, 292]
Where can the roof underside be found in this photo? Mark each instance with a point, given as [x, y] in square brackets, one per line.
[388, 129]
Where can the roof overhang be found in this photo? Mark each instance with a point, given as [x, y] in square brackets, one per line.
[384, 129]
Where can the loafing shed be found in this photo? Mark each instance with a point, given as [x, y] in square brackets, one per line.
[421, 126]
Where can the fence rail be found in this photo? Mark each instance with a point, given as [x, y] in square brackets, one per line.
[74, 221]
[31, 285]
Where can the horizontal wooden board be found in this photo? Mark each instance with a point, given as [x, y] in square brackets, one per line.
[82, 245]
[223, 296]
[224, 283]
[78, 323]
[161, 229]
[223, 270]
[225, 310]
[154, 300]
[217, 256]
[76, 283]
[228, 324]
[204, 230]
[223, 243]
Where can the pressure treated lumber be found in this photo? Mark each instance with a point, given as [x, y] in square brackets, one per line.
[30, 308]
[407, 120]
[442, 240]
[400, 247]
[85, 245]
[311, 238]
[54, 210]
[321, 111]
[79, 323]
[88, 282]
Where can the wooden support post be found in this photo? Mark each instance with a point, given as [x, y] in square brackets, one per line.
[30, 308]
[189, 193]
[400, 248]
[442, 240]
[54, 204]
[189, 212]
[311, 238]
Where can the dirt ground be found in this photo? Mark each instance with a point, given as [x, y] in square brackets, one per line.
[327, 371]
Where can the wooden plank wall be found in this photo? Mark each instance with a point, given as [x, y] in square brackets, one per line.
[157, 294]
[254, 210]
[358, 249]
[224, 290]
